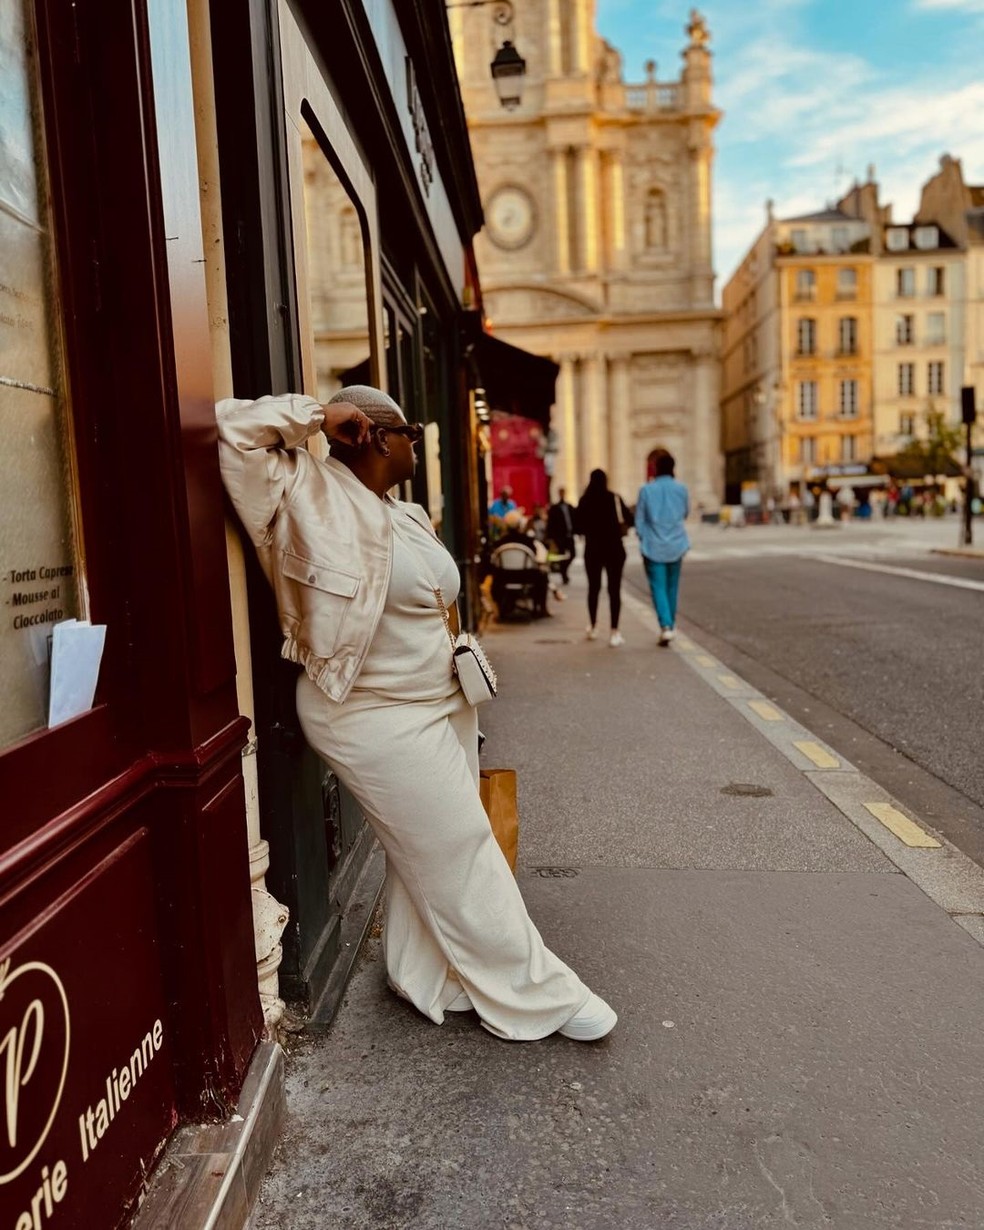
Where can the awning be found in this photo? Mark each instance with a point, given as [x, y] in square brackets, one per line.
[515, 381]
[915, 467]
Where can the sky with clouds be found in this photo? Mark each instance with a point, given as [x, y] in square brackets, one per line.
[815, 90]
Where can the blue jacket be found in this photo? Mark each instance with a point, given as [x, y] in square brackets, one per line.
[660, 512]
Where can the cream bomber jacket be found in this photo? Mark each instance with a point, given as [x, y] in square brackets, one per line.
[324, 540]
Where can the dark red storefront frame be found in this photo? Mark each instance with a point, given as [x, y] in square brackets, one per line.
[159, 755]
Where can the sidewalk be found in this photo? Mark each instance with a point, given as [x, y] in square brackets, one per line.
[800, 1036]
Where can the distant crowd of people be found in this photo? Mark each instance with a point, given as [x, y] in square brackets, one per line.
[531, 552]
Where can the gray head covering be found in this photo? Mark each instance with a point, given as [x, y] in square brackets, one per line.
[379, 406]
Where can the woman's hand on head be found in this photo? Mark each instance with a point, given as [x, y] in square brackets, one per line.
[347, 423]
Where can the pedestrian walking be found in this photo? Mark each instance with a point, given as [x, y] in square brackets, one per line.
[359, 580]
[603, 520]
[662, 508]
[560, 531]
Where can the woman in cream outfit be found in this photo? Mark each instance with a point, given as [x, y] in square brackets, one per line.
[355, 574]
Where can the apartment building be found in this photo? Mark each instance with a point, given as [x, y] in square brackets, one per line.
[845, 331]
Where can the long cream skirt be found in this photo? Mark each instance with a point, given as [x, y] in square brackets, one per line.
[454, 913]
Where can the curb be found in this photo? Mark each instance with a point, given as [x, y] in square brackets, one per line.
[945, 874]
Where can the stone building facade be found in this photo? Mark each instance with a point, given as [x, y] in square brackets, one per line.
[597, 244]
[845, 331]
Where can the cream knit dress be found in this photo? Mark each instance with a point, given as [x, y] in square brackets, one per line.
[405, 743]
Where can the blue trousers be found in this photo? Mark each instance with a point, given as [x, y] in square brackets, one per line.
[664, 582]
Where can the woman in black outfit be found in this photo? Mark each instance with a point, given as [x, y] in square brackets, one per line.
[602, 519]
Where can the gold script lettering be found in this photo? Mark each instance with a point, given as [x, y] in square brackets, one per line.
[16, 1077]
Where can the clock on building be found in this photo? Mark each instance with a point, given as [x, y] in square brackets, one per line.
[510, 217]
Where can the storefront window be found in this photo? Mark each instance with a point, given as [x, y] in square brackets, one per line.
[38, 566]
[336, 274]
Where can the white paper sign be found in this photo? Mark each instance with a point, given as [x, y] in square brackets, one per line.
[76, 652]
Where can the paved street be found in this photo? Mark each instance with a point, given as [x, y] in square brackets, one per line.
[889, 666]
[796, 961]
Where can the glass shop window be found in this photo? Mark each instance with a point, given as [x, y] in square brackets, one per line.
[39, 552]
[336, 274]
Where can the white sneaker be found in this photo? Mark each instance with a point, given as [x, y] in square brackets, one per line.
[460, 1003]
[591, 1022]
[665, 635]
[591, 632]
[616, 639]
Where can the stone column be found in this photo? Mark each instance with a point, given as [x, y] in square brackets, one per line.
[616, 209]
[561, 224]
[565, 468]
[595, 402]
[628, 470]
[705, 436]
[581, 36]
[587, 173]
[553, 38]
[701, 152]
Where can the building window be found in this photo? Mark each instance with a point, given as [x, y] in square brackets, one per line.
[847, 283]
[807, 401]
[907, 379]
[808, 451]
[935, 280]
[935, 379]
[806, 284]
[925, 237]
[935, 328]
[806, 336]
[897, 239]
[849, 448]
[839, 239]
[848, 335]
[798, 240]
[905, 282]
[849, 398]
[907, 425]
[904, 330]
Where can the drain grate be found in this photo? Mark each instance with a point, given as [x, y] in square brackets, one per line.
[555, 873]
[747, 790]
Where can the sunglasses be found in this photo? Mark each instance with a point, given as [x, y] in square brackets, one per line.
[412, 431]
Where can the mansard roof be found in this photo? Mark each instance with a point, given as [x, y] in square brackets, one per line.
[824, 215]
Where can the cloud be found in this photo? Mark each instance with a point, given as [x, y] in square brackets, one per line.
[953, 6]
[801, 122]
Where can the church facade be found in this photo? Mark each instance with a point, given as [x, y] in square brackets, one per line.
[596, 250]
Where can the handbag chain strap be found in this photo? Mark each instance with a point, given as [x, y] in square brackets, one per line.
[444, 615]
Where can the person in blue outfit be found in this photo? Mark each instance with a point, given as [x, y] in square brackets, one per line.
[504, 504]
[663, 506]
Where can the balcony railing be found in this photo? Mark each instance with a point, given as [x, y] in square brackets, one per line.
[653, 96]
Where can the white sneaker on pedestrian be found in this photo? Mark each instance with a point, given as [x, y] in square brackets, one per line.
[670, 634]
[590, 1022]
[591, 633]
[616, 639]
[665, 636]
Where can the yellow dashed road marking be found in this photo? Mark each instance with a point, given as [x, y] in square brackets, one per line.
[819, 755]
[703, 660]
[766, 712]
[906, 830]
[729, 681]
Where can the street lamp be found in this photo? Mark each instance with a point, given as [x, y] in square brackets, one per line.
[508, 68]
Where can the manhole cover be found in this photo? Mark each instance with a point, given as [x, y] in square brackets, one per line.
[555, 873]
[746, 790]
